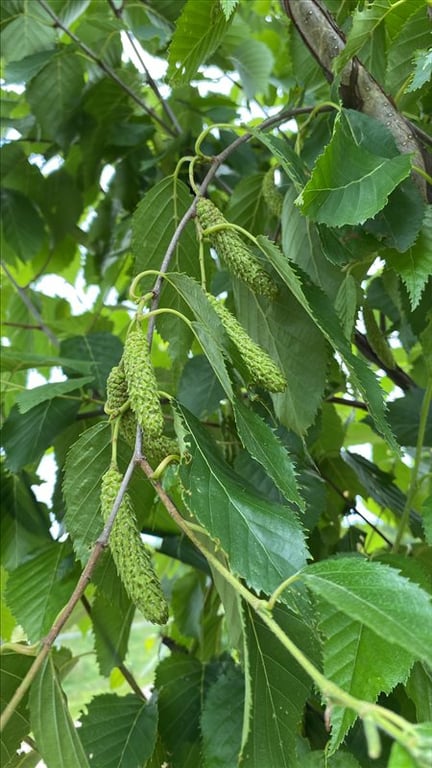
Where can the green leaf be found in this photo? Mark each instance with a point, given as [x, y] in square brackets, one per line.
[285, 155]
[24, 521]
[222, 720]
[21, 224]
[56, 737]
[396, 609]
[302, 245]
[182, 683]
[26, 68]
[279, 689]
[111, 628]
[264, 446]
[413, 35]
[404, 418]
[364, 23]
[358, 660]
[254, 62]
[30, 398]
[228, 7]
[119, 731]
[56, 90]
[419, 689]
[102, 350]
[394, 230]
[153, 225]
[294, 342]
[415, 265]
[264, 541]
[199, 390]
[40, 587]
[246, 206]
[322, 312]
[29, 32]
[87, 460]
[422, 70]
[341, 192]
[13, 359]
[26, 436]
[13, 668]
[199, 31]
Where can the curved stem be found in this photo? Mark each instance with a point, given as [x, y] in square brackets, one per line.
[228, 225]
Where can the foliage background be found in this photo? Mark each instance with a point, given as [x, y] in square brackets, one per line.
[281, 485]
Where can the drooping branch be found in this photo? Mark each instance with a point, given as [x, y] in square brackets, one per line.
[358, 89]
[397, 374]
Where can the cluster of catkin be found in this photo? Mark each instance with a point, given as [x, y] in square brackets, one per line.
[132, 397]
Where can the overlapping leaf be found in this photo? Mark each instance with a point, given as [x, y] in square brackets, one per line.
[119, 730]
[264, 541]
[393, 607]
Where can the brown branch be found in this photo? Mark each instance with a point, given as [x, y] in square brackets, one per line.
[358, 89]
[65, 614]
[105, 67]
[349, 403]
[397, 374]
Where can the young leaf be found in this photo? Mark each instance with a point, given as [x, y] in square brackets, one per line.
[264, 541]
[228, 7]
[264, 446]
[199, 31]
[119, 730]
[341, 192]
[56, 737]
[396, 609]
[40, 587]
[422, 70]
[279, 689]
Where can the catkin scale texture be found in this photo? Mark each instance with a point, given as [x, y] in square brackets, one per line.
[233, 251]
[117, 392]
[261, 368]
[142, 384]
[156, 449]
[272, 196]
[131, 557]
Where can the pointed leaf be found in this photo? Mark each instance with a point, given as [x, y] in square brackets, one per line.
[38, 589]
[31, 397]
[364, 23]
[279, 689]
[56, 737]
[56, 90]
[228, 7]
[415, 265]
[264, 446]
[111, 628]
[102, 350]
[29, 32]
[422, 70]
[264, 541]
[396, 609]
[321, 310]
[26, 436]
[341, 192]
[13, 668]
[198, 32]
[413, 35]
[358, 660]
[254, 62]
[119, 731]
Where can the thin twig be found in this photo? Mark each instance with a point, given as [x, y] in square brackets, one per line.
[127, 674]
[31, 308]
[105, 67]
[152, 83]
[349, 403]
[397, 374]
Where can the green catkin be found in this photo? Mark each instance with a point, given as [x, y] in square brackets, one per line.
[131, 557]
[142, 384]
[117, 392]
[233, 251]
[377, 339]
[155, 450]
[262, 370]
[272, 197]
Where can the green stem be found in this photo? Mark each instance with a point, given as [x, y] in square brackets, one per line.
[230, 226]
[203, 135]
[202, 264]
[191, 174]
[423, 173]
[424, 412]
